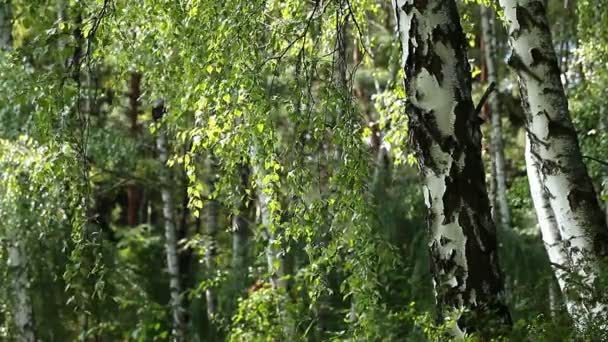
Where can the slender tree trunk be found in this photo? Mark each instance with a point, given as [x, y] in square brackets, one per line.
[554, 142]
[445, 135]
[275, 262]
[485, 116]
[498, 154]
[240, 231]
[133, 113]
[556, 249]
[23, 314]
[212, 243]
[341, 56]
[340, 71]
[177, 309]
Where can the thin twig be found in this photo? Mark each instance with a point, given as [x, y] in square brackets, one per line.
[350, 9]
[298, 38]
[596, 160]
[484, 98]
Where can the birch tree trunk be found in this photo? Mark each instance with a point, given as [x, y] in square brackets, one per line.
[498, 155]
[445, 135]
[177, 309]
[212, 243]
[553, 140]
[276, 263]
[554, 245]
[23, 313]
[240, 230]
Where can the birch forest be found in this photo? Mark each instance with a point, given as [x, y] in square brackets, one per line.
[303, 170]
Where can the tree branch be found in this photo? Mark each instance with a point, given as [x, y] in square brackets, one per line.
[484, 98]
[599, 161]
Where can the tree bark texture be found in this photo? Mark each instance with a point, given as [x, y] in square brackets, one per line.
[177, 309]
[553, 142]
[554, 245]
[502, 214]
[445, 134]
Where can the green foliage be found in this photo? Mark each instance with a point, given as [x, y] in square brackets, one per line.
[251, 86]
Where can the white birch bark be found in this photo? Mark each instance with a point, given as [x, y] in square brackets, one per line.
[498, 154]
[553, 140]
[177, 309]
[444, 130]
[273, 251]
[552, 240]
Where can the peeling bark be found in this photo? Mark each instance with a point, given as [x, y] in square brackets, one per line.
[177, 309]
[445, 135]
[502, 214]
[553, 140]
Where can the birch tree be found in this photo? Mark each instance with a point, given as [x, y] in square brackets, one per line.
[275, 262]
[445, 135]
[497, 149]
[552, 240]
[240, 230]
[554, 148]
[177, 309]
